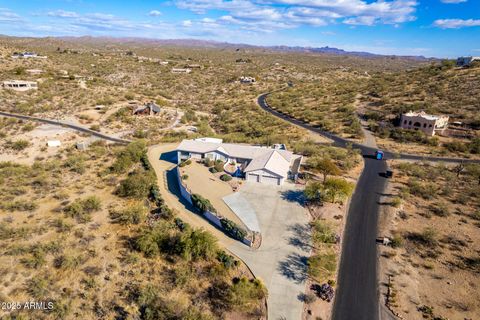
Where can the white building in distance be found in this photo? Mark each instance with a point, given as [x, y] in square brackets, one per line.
[430, 124]
[181, 70]
[244, 79]
[27, 55]
[20, 85]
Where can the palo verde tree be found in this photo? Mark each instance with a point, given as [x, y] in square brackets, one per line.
[337, 189]
[325, 166]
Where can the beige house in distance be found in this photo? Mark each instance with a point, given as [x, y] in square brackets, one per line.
[430, 124]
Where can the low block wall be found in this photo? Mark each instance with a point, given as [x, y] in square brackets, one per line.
[183, 190]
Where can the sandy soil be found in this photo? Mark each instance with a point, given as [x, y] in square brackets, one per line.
[435, 282]
[201, 181]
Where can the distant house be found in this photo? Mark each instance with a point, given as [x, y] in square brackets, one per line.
[466, 61]
[20, 85]
[193, 66]
[149, 108]
[34, 71]
[244, 79]
[181, 70]
[255, 163]
[26, 55]
[430, 124]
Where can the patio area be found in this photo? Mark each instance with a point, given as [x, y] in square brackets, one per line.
[209, 186]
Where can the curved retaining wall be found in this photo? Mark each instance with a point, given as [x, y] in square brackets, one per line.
[210, 216]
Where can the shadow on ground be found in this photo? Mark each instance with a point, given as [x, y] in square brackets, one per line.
[169, 157]
[294, 196]
[301, 236]
[294, 267]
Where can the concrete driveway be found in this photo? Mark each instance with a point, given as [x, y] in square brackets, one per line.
[281, 259]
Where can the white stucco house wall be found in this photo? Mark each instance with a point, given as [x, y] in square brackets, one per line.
[430, 124]
[256, 163]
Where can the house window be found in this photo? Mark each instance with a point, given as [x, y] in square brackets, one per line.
[430, 126]
[409, 123]
[424, 125]
[405, 122]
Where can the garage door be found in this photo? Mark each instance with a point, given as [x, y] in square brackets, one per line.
[253, 177]
[271, 180]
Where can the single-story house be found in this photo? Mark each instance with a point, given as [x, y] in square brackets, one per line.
[256, 163]
[148, 109]
[181, 70]
[20, 85]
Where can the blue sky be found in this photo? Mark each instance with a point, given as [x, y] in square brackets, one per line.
[434, 28]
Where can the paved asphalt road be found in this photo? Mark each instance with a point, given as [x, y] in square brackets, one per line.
[357, 296]
[64, 124]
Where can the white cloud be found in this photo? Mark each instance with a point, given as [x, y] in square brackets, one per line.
[187, 23]
[294, 13]
[6, 15]
[453, 1]
[154, 13]
[63, 14]
[364, 20]
[456, 23]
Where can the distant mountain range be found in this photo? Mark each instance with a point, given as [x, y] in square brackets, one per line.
[227, 45]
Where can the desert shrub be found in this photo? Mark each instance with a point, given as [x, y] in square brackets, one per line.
[397, 241]
[62, 225]
[134, 214]
[155, 195]
[337, 189]
[66, 262]
[131, 154]
[425, 190]
[81, 209]
[153, 304]
[474, 146]
[18, 145]
[19, 205]
[455, 146]
[219, 165]
[232, 229]
[440, 210]
[208, 162]
[202, 204]
[244, 293]
[227, 260]
[322, 233]
[321, 266]
[137, 184]
[428, 237]
[36, 259]
[213, 170]
[38, 287]
[184, 176]
[140, 134]
[95, 127]
[313, 191]
[396, 202]
[225, 177]
[76, 163]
